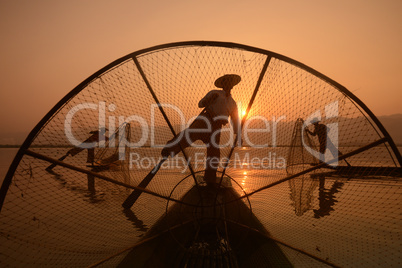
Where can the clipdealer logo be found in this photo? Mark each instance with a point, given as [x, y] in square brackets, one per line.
[147, 131]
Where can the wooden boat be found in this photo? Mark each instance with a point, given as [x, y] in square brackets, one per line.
[223, 232]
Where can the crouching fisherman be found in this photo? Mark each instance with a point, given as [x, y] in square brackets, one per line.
[96, 136]
[219, 106]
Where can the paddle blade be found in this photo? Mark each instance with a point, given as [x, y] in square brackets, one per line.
[130, 200]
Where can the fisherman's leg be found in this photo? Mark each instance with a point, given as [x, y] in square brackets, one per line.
[334, 151]
[180, 142]
[91, 155]
[212, 164]
[213, 158]
[184, 138]
[323, 148]
[173, 146]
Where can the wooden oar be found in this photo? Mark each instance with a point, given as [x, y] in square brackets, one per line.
[130, 200]
[49, 168]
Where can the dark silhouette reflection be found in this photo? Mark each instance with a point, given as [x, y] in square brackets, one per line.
[301, 193]
[302, 189]
[326, 198]
[139, 224]
[89, 193]
[91, 183]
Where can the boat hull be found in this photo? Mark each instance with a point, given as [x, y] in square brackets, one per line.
[213, 228]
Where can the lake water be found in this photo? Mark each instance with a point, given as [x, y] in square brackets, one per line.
[6, 157]
[347, 220]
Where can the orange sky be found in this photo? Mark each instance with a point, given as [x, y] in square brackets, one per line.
[49, 47]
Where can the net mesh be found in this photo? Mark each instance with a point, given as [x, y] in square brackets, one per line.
[344, 214]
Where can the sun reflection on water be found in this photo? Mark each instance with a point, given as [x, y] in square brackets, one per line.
[243, 182]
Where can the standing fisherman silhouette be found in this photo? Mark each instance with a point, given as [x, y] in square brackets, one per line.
[219, 106]
[321, 131]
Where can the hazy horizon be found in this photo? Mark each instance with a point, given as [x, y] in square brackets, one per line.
[392, 123]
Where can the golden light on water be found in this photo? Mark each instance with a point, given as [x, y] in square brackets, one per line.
[243, 182]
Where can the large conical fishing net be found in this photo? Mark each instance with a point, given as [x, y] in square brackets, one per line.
[299, 157]
[337, 208]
